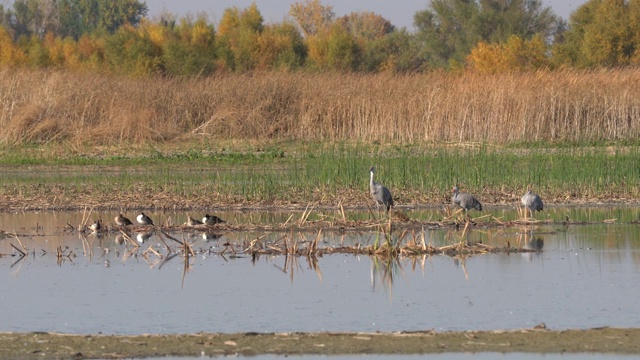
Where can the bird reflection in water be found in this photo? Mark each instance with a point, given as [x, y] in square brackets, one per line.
[531, 242]
[141, 237]
[384, 270]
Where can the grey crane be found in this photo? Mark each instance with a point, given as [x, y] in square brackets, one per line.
[465, 201]
[144, 219]
[531, 201]
[380, 194]
[121, 220]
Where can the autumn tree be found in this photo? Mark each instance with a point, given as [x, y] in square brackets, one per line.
[10, 54]
[449, 29]
[334, 48]
[312, 17]
[239, 31]
[516, 54]
[281, 46]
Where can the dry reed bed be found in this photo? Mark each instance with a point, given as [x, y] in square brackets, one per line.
[54, 106]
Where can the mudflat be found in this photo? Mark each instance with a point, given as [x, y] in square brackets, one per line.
[43, 345]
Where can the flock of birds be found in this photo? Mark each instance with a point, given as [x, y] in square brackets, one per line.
[145, 220]
[382, 196]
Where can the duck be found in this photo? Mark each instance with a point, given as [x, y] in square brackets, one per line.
[211, 219]
[121, 220]
[144, 219]
[193, 222]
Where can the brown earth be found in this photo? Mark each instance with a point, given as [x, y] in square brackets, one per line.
[61, 346]
[108, 197]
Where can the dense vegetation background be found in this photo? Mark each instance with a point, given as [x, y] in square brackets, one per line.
[488, 71]
[116, 36]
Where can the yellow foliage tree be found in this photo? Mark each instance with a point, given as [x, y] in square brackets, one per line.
[515, 55]
[239, 31]
[10, 53]
[333, 49]
[54, 46]
[281, 47]
[156, 32]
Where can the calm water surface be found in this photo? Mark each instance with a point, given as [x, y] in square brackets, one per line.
[586, 276]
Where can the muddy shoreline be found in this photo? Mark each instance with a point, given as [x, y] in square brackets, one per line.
[41, 345]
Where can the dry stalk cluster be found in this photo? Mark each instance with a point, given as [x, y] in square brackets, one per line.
[55, 106]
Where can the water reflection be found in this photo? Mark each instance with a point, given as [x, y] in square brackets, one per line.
[212, 272]
[141, 237]
[383, 271]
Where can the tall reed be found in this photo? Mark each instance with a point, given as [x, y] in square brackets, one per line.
[80, 108]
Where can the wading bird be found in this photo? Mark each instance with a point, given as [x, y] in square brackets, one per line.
[465, 201]
[211, 219]
[121, 220]
[144, 219]
[531, 201]
[380, 194]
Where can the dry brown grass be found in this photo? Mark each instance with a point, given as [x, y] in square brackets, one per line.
[52, 106]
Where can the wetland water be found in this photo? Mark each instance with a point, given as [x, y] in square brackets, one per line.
[585, 276]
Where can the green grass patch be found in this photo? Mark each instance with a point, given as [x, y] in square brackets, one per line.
[309, 172]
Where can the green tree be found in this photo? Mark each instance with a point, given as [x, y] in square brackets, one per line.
[189, 48]
[70, 17]
[78, 17]
[32, 17]
[449, 29]
[602, 33]
[372, 35]
[403, 51]
[132, 52]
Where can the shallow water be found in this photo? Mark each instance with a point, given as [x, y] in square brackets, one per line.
[100, 286]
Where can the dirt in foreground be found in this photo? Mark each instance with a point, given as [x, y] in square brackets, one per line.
[58, 346]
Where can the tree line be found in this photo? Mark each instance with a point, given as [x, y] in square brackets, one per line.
[490, 36]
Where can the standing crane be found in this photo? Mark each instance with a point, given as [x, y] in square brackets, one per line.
[531, 201]
[465, 201]
[380, 194]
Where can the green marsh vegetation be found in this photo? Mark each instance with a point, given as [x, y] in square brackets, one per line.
[326, 174]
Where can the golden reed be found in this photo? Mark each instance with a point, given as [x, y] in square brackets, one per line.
[568, 105]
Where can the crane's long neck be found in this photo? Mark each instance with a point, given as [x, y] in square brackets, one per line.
[371, 182]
